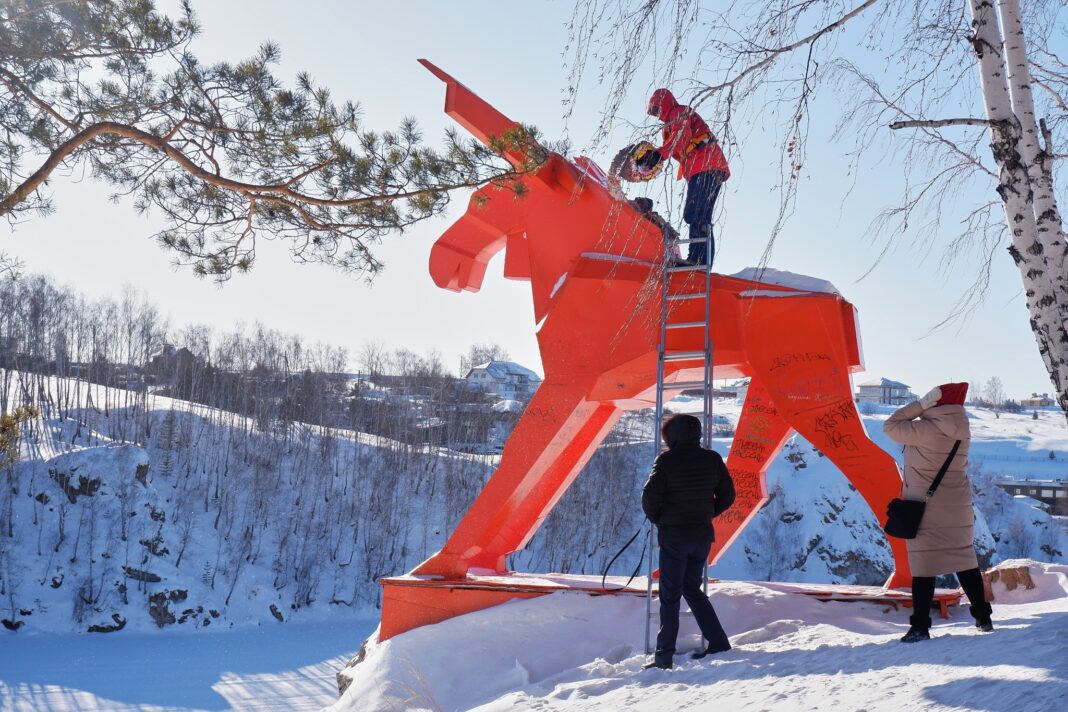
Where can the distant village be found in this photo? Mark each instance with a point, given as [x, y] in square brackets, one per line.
[411, 401]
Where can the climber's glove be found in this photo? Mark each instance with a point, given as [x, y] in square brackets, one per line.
[649, 160]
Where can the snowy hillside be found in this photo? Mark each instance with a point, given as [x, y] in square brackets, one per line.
[577, 652]
[154, 513]
[168, 514]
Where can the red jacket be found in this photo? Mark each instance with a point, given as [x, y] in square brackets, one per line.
[683, 130]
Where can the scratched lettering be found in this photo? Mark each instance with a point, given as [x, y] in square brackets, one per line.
[760, 424]
[759, 408]
[748, 450]
[798, 357]
[747, 490]
[829, 421]
[742, 475]
[540, 413]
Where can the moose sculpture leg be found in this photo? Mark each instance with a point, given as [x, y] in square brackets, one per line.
[553, 440]
[803, 370]
[758, 438]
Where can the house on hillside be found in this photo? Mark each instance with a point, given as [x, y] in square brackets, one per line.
[1050, 494]
[738, 389]
[169, 359]
[883, 390]
[505, 379]
[1037, 400]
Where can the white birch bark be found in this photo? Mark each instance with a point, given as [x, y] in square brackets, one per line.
[1040, 264]
[1035, 156]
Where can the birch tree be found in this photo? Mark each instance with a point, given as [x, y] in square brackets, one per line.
[899, 75]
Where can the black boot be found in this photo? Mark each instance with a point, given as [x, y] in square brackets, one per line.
[659, 664]
[981, 613]
[920, 630]
[711, 650]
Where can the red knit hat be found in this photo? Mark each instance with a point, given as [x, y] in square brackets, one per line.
[953, 393]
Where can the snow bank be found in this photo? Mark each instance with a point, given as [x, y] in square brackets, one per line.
[577, 652]
[476, 658]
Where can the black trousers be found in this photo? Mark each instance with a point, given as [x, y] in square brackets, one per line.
[681, 569]
[701, 193]
[923, 588]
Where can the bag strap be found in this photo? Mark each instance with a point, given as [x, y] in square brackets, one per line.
[942, 472]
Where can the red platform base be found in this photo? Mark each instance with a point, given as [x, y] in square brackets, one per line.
[410, 602]
[943, 598]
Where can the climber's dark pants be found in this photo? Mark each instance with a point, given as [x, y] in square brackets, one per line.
[701, 194]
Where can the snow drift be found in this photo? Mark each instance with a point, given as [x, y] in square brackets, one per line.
[577, 652]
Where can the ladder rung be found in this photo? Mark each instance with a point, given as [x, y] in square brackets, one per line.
[688, 268]
[693, 240]
[685, 356]
[686, 385]
[686, 325]
[695, 295]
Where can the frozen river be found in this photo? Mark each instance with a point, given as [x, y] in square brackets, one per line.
[283, 667]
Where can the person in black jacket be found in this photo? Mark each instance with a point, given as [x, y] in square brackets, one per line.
[687, 488]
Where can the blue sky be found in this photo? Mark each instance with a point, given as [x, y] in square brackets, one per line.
[512, 54]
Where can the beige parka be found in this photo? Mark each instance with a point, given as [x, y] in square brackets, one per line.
[944, 542]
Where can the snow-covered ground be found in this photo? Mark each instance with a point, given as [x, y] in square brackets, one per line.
[577, 652]
[200, 522]
[273, 667]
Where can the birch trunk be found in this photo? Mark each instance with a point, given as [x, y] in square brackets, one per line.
[1040, 265]
[1035, 157]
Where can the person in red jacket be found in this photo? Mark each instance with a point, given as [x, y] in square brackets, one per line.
[702, 164]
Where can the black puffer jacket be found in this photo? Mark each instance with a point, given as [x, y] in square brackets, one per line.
[688, 486]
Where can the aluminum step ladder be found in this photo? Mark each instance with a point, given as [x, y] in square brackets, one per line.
[693, 290]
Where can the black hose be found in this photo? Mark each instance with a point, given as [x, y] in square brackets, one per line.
[637, 568]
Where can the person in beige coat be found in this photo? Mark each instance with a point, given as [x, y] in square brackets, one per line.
[928, 428]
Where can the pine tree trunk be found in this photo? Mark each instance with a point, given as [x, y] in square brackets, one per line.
[1038, 253]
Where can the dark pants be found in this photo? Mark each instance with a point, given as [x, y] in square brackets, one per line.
[701, 194]
[681, 569]
[923, 588]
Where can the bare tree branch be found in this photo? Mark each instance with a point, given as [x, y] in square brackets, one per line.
[937, 123]
[776, 52]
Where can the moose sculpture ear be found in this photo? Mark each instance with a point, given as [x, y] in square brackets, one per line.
[516, 256]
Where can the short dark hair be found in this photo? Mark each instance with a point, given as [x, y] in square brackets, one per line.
[681, 429]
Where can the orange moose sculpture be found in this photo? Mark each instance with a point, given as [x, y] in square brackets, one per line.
[594, 265]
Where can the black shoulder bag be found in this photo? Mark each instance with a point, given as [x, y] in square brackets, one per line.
[903, 516]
